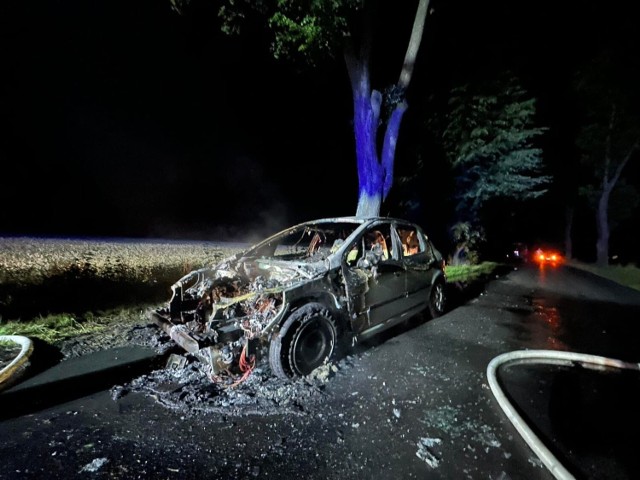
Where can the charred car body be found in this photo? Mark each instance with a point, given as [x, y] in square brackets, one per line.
[301, 292]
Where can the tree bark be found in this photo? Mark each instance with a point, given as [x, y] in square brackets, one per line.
[414, 44]
[602, 228]
[375, 170]
[602, 211]
[568, 241]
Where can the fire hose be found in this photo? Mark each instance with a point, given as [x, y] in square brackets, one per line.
[550, 461]
[15, 367]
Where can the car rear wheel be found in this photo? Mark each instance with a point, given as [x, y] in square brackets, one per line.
[437, 299]
[306, 340]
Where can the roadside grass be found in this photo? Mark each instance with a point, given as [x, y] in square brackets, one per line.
[469, 273]
[56, 327]
[628, 275]
[53, 328]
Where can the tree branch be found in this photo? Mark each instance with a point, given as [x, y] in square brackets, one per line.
[414, 44]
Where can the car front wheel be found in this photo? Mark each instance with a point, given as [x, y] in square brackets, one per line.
[306, 340]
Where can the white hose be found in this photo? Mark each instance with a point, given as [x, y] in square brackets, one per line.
[9, 372]
[550, 461]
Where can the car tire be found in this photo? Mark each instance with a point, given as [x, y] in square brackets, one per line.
[307, 339]
[437, 299]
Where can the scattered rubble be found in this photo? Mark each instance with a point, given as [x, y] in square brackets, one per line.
[94, 465]
[188, 391]
[426, 451]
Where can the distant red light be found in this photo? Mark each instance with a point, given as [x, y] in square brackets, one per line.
[549, 257]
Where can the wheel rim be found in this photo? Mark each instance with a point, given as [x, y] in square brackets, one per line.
[312, 345]
[438, 297]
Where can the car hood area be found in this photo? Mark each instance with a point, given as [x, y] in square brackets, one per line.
[223, 315]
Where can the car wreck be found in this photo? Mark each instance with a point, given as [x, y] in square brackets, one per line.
[296, 296]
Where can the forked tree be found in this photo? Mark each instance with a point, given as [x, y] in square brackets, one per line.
[609, 139]
[311, 29]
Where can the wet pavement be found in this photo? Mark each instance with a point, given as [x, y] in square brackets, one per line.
[75, 378]
[587, 417]
[414, 403]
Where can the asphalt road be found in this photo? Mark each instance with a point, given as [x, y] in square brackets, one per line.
[415, 403]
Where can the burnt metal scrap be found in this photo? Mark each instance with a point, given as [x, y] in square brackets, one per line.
[294, 296]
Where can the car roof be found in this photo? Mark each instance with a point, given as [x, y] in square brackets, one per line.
[364, 222]
[354, 219]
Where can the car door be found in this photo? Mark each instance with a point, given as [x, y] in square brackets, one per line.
[375, 279]
[418, 258]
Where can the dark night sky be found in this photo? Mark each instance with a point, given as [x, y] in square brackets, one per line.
[124, 119]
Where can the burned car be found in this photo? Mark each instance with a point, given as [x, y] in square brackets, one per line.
[299, 294]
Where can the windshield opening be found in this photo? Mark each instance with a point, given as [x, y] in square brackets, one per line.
[306, 242]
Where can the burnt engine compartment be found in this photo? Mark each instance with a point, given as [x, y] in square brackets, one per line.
[219, 316]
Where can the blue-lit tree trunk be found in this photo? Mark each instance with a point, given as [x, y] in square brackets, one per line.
[375, 171]
[309, 29]
[375, 167]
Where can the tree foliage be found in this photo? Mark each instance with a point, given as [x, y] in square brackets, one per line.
[468, 239]
[307, 30]
[489, 138]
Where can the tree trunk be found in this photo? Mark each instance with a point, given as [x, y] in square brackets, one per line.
[366, 109]
[375, 170]
[602, 212]
[368, 205]
[602, 228]
[568, 243]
